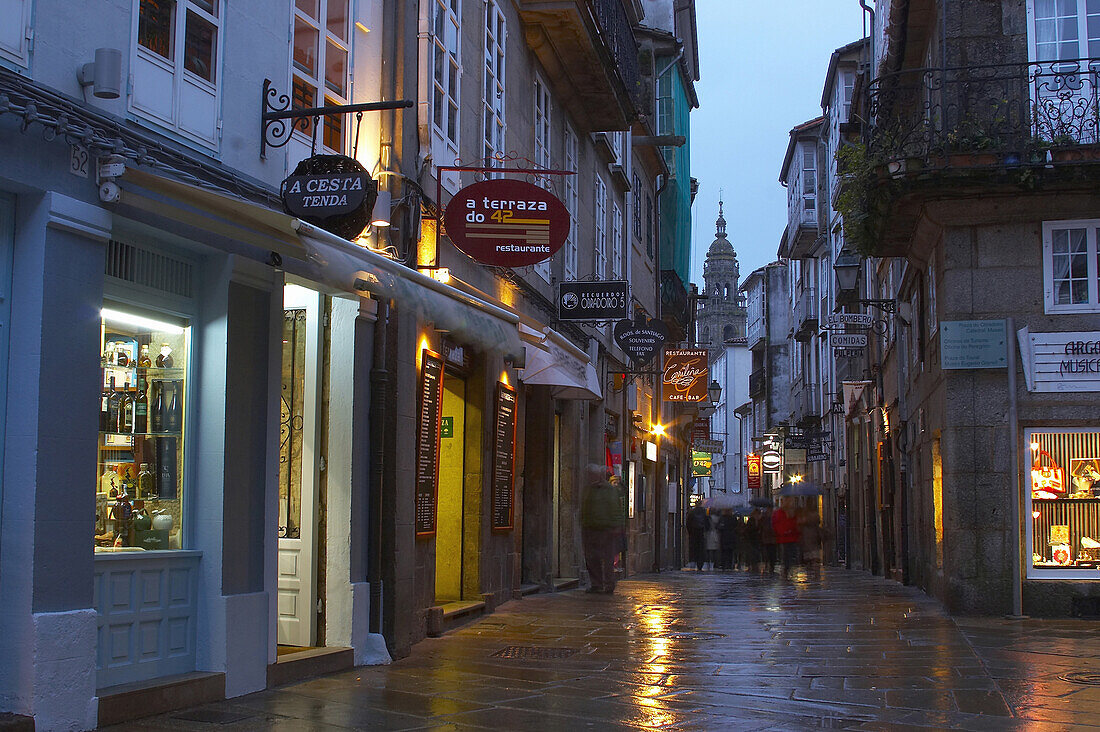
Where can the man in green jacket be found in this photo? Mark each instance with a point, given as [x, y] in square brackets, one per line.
[603, 517]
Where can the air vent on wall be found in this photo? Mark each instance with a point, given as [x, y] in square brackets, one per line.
[148, 269]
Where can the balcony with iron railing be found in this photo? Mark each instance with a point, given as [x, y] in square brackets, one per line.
[755, 332]
[1011, 126]
[809, 404]
[758, 383]
[805, 315]
[588, 50]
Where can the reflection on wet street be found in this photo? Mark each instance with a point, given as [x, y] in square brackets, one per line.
[709, 651]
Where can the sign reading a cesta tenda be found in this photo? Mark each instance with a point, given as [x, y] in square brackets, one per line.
[321, 196]
[507, 223]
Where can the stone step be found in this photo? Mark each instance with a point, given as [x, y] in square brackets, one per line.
[125, 702]
[307, 663]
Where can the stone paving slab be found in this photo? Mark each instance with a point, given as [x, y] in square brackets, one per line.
[707, 651]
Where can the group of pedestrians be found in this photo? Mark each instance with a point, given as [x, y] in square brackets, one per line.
[767, 538]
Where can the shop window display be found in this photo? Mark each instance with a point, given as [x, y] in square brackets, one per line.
[1064, 502]
[142, 416]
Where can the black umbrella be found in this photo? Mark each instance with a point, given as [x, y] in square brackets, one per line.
[761, 502]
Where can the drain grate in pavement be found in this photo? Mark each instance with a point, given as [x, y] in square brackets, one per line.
[211, 716]
[535, 652]
[695, 635]
[1081, 677]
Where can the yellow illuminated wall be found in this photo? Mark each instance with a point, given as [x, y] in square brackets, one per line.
[448, 540]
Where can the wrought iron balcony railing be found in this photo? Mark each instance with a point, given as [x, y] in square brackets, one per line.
[757, 382]
[619, 38]
[1001, 114]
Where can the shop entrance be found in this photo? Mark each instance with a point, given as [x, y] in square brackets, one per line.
[298, 463]
[450, 528]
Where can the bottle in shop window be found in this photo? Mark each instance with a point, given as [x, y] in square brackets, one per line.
[144, 361]
[112, 407]
[164, 358]
[141, 408]
[146, 482]
[156, 418]
[175, 411]
[166, 467]
[120, 355]
[103, 402]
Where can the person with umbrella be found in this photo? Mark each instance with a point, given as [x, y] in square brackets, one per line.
[697, 522]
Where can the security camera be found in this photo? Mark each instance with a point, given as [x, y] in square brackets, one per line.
[109, 192]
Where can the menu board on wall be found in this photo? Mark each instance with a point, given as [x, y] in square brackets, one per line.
[430, 406]
[504, 458]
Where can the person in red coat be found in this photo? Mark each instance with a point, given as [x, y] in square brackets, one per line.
[785, 525]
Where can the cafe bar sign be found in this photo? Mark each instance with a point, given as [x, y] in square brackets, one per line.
[685, 375]
[506, 223]
[1060, 362]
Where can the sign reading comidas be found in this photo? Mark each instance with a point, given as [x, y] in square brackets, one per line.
[507, 223]
[685, 375]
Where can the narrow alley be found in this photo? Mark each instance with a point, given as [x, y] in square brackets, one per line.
[705, 651]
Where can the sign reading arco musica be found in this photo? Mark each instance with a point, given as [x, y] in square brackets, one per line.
[1065, 361]
[507, 223]
[685, 375]
[333, 192]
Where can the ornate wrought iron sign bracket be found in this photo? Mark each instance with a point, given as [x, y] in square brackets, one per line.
[276, 132]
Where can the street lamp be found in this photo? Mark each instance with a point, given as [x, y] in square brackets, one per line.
[714, 391]
[847, 267]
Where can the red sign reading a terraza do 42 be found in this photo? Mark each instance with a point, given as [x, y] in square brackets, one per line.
[508, 223]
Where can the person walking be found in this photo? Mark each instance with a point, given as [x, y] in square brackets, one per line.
[713, 540]
[696, 524]
[603, 517]
[767, 540]
[809, 527]
[785, 526]
[727, 539]
[753, 550]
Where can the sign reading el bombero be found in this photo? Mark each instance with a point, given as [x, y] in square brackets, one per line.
[507, 223]
[594, 300]
[333, 192]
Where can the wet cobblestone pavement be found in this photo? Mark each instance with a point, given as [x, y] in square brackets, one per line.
[707, 651]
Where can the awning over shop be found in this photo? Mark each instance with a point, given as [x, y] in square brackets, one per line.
[339, 263]
[219, 213]
[326, 258]
[553, 361]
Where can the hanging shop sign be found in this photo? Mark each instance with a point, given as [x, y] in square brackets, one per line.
[700, 464]
[685, 375]
[594, 300]
[973, 344]
[641, 338]
[754, 471]
[333, 192]
[864, 320]
[700, 429]
[504, 458]
[507, 223]
[771, 461]
[848, 340]
[714, 447]
[1060, 362]
[429, 413]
